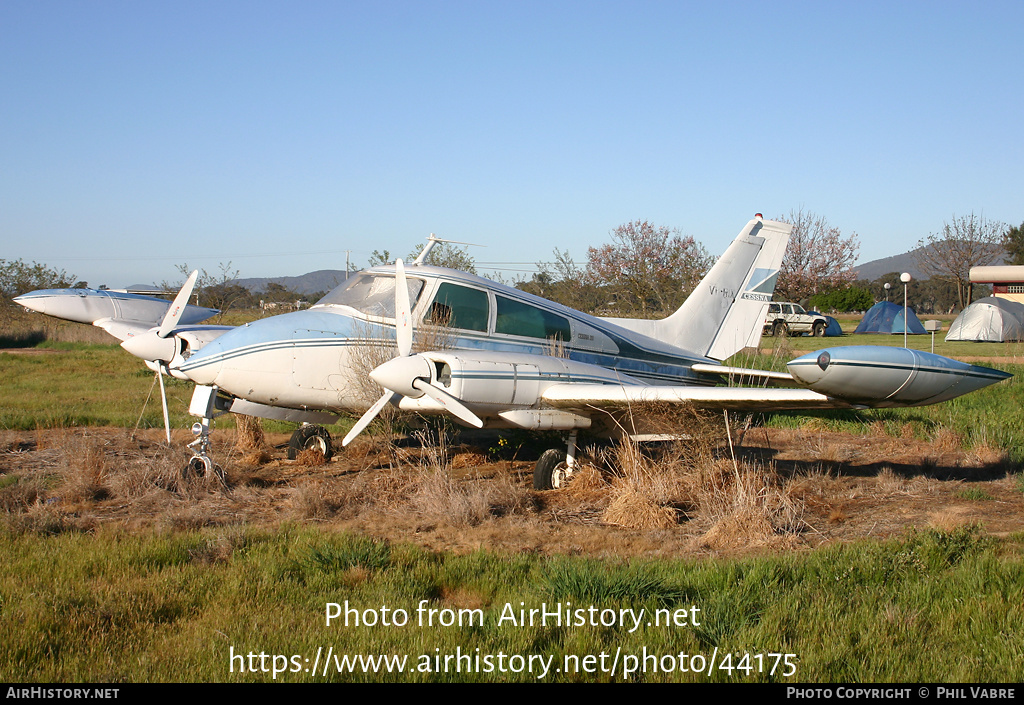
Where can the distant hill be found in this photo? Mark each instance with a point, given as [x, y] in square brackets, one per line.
[321, 280]
[906, 263]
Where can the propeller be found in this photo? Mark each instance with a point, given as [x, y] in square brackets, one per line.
[407, 375]
[159, 346]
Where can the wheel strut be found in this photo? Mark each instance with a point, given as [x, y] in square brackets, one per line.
[200, 446]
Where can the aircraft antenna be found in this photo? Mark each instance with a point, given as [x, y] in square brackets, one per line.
[433, 240]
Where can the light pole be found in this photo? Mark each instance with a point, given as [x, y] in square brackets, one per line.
[887, 286]
[905, 278]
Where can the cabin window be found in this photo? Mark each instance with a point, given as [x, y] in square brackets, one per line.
[372, 294]
[517, 318]
[459, 307]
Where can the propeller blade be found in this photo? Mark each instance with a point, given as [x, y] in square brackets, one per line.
[177, 308]
[452, 405]
[403, 316]
[369, 416]
[163, 400]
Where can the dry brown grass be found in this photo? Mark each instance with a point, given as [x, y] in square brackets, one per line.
[753, 508]
[255, 458]
[314, 498]
[646, 490]
[311, 457]
[673, 498]
[249, 434]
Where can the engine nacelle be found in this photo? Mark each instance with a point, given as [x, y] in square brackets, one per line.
[879, 376]
[494, 383]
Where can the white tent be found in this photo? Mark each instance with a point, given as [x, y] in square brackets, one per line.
[991, 320]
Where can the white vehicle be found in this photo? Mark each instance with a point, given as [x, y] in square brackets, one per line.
[792, 319]
[498, 369]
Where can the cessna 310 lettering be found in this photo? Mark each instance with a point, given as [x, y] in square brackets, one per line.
[496, 369]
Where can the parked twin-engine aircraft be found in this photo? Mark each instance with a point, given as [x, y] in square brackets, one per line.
[513, 360]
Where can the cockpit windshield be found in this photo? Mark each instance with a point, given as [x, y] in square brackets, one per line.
[373, 294]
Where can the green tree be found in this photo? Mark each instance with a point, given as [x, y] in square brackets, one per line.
[851, 298]
[277, 293]
[1013, 241]
[17, 277]
[565, 282]
[214, 289]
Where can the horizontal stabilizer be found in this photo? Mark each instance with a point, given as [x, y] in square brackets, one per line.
[745, 375]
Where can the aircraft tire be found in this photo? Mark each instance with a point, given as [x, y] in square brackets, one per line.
[550, 471]
[308, 437]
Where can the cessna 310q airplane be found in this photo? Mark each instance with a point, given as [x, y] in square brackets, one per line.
[496, 369]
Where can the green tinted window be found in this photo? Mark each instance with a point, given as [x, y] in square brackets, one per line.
[517, 318]
[459, 307]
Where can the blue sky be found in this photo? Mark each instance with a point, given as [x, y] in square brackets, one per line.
[139, 135]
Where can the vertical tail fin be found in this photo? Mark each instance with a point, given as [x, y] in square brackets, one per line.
[725, 312]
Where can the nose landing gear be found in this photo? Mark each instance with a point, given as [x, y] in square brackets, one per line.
[200, 464]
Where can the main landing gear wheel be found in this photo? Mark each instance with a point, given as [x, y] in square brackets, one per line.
[310, 437]
[551, 470]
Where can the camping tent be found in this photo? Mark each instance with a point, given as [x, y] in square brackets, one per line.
[833, 328]
[887, 317]
[991, 320]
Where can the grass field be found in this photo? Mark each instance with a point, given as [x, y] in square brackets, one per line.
[118, 569]
[117, 606]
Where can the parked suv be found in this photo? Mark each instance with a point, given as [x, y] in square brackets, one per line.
[791, 319]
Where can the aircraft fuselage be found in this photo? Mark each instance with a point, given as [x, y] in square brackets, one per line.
[319, 358]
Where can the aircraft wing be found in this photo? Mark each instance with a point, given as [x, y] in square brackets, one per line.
[122, 330]
[95, 305]
[836, 378]
[608, 396]
[541, 392]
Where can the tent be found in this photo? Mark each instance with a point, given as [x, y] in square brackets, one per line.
[833, 328]
[989, 320]
[887, 317]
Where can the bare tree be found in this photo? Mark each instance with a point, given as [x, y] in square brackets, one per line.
[653, 268]
[819, 258]
[214, 290]
[565, 282]
[964, 242]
